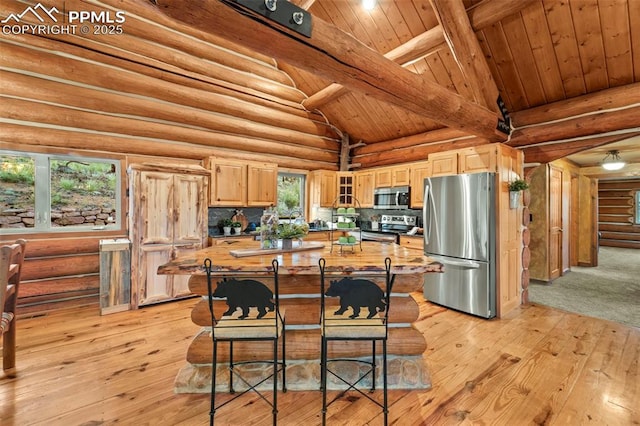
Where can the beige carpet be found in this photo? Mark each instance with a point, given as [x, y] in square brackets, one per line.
[610, 291]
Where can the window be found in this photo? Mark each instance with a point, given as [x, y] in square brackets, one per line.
[56, 193]
[290, 195]
[637, 208]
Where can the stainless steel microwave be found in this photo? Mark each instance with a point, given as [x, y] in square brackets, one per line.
[395, 197]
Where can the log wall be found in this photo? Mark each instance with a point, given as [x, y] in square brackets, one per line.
[158, 92]
[616, 213]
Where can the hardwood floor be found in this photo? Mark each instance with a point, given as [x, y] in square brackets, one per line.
[538, 366]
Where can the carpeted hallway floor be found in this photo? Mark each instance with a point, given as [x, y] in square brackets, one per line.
[610, 291]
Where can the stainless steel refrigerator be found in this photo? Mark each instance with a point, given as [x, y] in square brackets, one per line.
[459, 220]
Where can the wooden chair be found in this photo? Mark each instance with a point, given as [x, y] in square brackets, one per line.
[354, 307]
[11, 261]
[252, 314]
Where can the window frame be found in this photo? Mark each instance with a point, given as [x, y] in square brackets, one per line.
[42, 194]
[303, 189]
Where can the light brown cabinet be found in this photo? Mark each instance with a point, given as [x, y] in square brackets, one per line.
[167, 218]
[391, 176]
[444, 163]
[364, 185]
[345, 189]
[322, 188]
[236, 183]
[478, 159]
[262, 184]
[419, 171]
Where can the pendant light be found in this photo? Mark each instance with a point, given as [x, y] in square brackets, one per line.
[612, 161]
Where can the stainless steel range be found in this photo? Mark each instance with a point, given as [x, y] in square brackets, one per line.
[390, 227]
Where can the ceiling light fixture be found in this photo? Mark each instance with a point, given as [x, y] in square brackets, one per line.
[612, 161]
[368, 4]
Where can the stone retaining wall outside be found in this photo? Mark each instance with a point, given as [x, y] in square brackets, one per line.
[25, 218]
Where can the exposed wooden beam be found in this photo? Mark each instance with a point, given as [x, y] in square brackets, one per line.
[339, 57]
[609, 99]
[466, 50]
[625, 120]
[483, 14]
[415, 153]
[435, 136]
[554, 151]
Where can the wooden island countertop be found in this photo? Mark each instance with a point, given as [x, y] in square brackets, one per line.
[299, 283]
[370, 259]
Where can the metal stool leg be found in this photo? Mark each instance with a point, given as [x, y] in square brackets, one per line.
[323, 379]
[231, 367]
[373, 365]
[214, 365]
[385, 407]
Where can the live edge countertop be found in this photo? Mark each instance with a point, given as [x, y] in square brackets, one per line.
[370, 259]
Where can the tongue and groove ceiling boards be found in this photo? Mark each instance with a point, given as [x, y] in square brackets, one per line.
[568, 72]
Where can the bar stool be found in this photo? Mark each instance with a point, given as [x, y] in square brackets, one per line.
[242, 323]
[11, 261]
[366, 320]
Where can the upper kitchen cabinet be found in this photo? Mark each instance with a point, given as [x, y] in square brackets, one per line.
[364, 185]
[444, 163]
[419, 171]
[323, 185]
[236, 183]
[345, 189]
[167, 219]
[478, 159]
[262, 184]
[392, 176]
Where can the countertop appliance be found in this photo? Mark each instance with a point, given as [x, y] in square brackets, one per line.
[395, 197]
[390, 227]
[459, 231]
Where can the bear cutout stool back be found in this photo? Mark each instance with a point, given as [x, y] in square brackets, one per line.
[354, 307]
[251, 313]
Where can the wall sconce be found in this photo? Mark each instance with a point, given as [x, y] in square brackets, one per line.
[612, 161]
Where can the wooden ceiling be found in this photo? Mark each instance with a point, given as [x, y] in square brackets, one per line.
[546, 52]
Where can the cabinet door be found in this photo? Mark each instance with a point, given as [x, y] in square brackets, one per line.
[384, 177]
[322, 188]
[189, 217]
[444, 163]
[228, 183]
[479, 159]
[180, 283]
[345, 188]
[400, 176]
[151, 287]
[419, 171]
[153, 208]
[262, 184]
[364, 184]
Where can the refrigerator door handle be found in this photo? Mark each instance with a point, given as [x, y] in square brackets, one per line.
[466, 264]
[427, 221]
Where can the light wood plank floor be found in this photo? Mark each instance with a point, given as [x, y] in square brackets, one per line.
[538, 366]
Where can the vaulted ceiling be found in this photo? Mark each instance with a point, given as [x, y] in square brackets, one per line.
[567, 71]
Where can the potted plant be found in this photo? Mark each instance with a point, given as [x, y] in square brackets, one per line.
[515, 188]
[237, 227]
[289, 231]
[225, 224]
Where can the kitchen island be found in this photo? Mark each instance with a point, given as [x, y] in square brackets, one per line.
[299, 281]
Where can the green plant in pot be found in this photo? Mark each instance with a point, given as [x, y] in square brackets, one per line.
[237, 227]
[515, 188]
[225, 224]
[518, 185]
